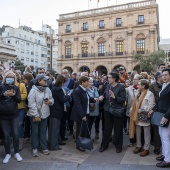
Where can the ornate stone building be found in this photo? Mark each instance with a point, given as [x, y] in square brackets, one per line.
[105, 38]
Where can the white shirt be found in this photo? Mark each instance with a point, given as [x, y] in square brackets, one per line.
[88, 103]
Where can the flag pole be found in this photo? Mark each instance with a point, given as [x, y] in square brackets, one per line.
[97, 3]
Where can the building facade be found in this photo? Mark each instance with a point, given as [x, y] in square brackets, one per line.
[165, 45]
[55, 50]
[105, 38]
[48, 32]
[30, 45]
[7, 54]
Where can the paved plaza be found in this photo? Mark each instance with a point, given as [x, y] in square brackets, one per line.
[71, 159]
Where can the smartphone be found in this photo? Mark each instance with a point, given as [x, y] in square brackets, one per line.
[45, 99]
[11, 87]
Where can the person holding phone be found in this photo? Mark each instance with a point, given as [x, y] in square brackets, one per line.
[9, 120]
[39, 101]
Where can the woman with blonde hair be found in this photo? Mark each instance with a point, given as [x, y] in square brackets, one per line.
[143, 102]
[9, 120]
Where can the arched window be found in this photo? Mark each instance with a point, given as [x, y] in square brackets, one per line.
[140, 44]
[101, 46]
[67, 49]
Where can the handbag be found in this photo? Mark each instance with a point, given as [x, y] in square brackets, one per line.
[85, 143]
[156, 119]
[143, 117]
[92, 107]
[118, 112]
[8, 106]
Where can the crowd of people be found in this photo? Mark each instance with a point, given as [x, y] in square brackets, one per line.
[39, 108]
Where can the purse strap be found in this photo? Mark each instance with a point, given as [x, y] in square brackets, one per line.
[82, 126]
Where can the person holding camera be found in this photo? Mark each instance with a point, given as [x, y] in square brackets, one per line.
[9, 120]
[39, 101]
[122, 74]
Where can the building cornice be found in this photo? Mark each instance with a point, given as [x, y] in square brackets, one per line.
[129, 7]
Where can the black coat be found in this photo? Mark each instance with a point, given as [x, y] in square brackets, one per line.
[80, 105]
[57, 109]
[16, 98]
[163, 105]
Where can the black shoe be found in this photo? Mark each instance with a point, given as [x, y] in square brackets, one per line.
[64, 139]
[156, 151]
[80, 149]
[118, 150]
[55, 149]
[62, 143]
[160, 158]
[101, 149]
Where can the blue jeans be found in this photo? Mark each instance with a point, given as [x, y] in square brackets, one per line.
[10, 127]
[38, 135]
[22, 114]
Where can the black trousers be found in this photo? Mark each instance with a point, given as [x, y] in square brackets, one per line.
[27, 126]
[91, 121]
[97, 121]
[63, 124]
[156, 137]
[110, 122]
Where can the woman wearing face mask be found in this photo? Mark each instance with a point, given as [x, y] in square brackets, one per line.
[39, 101]
[21, 108]
[9, 120]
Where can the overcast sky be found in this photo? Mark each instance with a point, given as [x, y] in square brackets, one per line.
[33, 12]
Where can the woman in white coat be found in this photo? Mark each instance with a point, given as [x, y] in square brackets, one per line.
[143, 102]
[39, 101]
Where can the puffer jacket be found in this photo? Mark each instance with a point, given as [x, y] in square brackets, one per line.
[36, 104]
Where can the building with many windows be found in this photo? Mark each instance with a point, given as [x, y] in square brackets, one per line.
[55, 50]
[7, 54]
[30, 45]
[105, 38]
[165, 45]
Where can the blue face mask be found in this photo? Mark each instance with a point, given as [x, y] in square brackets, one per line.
[9, 81]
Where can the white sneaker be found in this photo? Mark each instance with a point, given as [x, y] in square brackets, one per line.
[18, 157]
[7, 158]
[35, 153]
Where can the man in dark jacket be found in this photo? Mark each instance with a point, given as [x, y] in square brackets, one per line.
[155, 88]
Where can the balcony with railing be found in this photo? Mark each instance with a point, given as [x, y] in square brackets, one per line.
[106, 54]
[110, 9]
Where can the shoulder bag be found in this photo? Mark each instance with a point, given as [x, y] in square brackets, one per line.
[85, 143]
[7, 105]
[156, 119]
[115, 111]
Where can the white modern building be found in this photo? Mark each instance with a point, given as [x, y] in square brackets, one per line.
[48, 33]
[7, 54]
[55, 50]
[165, 45]
[30, 46]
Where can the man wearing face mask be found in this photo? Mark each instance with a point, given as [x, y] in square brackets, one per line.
[9, 120]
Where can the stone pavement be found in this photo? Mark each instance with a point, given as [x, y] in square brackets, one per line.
[71, 159]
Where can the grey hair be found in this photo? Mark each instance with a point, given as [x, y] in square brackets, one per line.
[6, 74]
[91, 79]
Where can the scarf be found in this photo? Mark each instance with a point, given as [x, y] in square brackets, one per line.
[135, 87]
[41, 88]
[134, 113]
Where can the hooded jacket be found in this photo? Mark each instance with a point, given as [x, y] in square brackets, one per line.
[36, 104]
